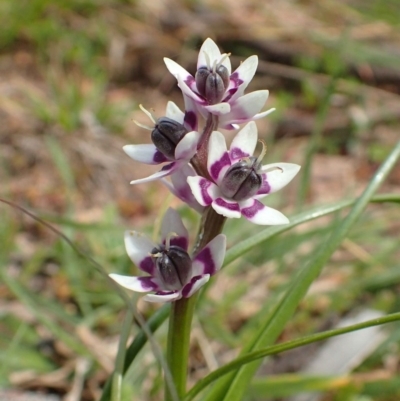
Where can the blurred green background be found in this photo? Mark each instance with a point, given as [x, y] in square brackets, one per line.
[72, 75]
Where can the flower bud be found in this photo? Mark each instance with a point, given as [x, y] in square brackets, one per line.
[241, 181]
[174, 267]
[166, 134]
[212, 85]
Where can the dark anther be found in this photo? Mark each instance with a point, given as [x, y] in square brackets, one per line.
[241, 181]
[212, 85]
[166, 135]
[174, 267]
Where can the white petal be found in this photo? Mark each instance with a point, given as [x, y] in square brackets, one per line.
[188, 90]
[166, 170]
[263, 114]
[182, 76]
[219, 109]
[245, 73]
[138, 248]
[175, 69]
[187, 146]
[138, 284]
[226, 208]
[203, 190]
[254, 211]
[244, 142]
[218, 157]
[174, 112]
[211, 49]
[250, 104]
[147, 154]
[163, 298]
[172, 222]
[245, 108]
[200, 107]
[226, 62]
[230, 124]
[210, 258]
[190, 288]
[276, 176]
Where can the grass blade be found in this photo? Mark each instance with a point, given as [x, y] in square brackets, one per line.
[276, 349]
[245, 246]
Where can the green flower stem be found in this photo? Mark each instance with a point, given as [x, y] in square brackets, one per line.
[211, 225]
[180, 322]
[181, 316]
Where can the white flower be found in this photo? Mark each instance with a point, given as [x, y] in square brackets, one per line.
[223, 93]
[239, 180]
[171, 272]
[180, 153]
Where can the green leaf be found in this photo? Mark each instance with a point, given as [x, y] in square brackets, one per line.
[292, 384]
[117, 376]
[245, 246]
[245, 360]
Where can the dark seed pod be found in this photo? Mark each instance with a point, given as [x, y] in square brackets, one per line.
[241, 181]
[212, 85]
[166, 135]
[222, 71]
[214, 88]
[174, 267]
[201, 78]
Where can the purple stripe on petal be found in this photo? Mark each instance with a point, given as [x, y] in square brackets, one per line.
[189, 81]
[227, 205]
[148, 284]
[184, 193]
[229, 93]
[236, 79]
[159, 157]
[251, 211]
[190, 120]
[206, 258]
[237, 153]
[216, 167]
[265, 187]
[180, 241]
[188, 287]
[204, 185]
[147, 265]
